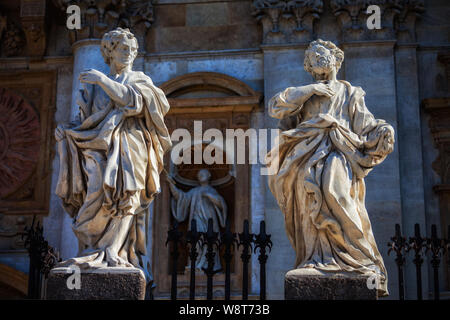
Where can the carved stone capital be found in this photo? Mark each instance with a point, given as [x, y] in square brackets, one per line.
[410, 10]
[32, 16]
[287, 21]
[398, 19]
[98, 17]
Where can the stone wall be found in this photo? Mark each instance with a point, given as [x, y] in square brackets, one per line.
[396, 68]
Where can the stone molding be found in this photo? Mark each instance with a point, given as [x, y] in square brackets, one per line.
[32, 17]
[287, 21]
[439, 111]
[26, 35]
[14, 278]
[98, 17]
[241, 98]
[398, 18]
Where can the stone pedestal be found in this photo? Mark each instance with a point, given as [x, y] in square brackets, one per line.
[97, 284]
[312, 284]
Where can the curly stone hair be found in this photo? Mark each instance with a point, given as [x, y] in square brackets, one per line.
[338, 54]
[111, 39]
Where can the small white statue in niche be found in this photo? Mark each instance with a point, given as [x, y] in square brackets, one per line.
[201, 203]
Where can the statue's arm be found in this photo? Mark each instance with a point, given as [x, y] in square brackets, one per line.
[290, 101]
[378, 136]
[115, 90]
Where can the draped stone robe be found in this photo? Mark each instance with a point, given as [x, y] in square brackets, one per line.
[109, 168]
[200, 204]
[329, 145]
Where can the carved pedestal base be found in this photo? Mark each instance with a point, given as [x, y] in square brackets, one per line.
[97, 284]
[312, 284]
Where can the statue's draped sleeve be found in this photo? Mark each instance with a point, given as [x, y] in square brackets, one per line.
[285, 107]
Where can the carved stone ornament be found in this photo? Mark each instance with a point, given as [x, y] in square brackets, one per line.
[287, 21]
[97, 17]
[398, 19]
[32, 15]
[13, 41]
[19, 141]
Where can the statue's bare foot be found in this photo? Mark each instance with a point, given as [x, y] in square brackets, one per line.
[115, 261]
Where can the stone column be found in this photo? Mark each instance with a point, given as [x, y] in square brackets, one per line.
[411, 162]
[410, 138]
[86, 55]
[285, 38]
[370, 65]
[278, 59]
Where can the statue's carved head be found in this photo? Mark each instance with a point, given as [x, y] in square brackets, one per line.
[321, 58]
[203, 175]
[119, 46]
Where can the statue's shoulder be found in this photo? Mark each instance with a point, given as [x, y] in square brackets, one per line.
[354, 90]
[140, 76]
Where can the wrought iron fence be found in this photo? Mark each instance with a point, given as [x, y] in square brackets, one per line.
[437, 247]
[42, 258]
[250, 243]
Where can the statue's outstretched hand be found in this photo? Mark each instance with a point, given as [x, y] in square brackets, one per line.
[91, 76]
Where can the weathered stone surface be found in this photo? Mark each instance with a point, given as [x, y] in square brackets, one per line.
[98, 284]
[312, 284]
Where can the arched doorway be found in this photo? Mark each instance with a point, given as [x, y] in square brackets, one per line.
[220, 102]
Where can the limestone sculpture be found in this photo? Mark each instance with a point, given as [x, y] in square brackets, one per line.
[111, 160]
[200, 204]
[329, 143]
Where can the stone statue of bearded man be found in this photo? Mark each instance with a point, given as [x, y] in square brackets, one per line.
[110, 162]
[329, 142]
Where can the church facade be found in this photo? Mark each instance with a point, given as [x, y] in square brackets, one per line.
[220, 62]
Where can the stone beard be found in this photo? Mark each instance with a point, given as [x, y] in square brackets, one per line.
[329, 143]
[111, 160]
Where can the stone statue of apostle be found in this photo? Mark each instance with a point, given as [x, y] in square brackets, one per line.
[200, 204]
[329, 142]
[111, 161]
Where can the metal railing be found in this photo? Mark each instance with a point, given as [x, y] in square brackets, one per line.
[250, 243]
[437, 247]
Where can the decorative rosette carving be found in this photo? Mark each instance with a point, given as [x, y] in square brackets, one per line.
[19, 141]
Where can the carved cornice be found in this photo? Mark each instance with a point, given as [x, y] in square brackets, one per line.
[287, 21]
[98, 17]
[439, 111]
[26, 35]
[32, 17]
[398, 18]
